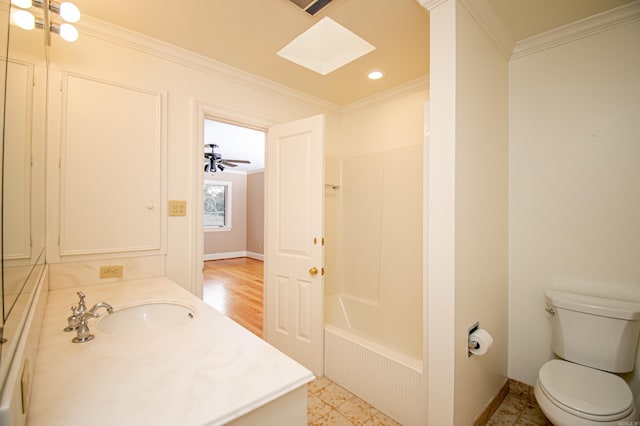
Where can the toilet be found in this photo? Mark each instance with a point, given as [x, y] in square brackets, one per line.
[594, 338]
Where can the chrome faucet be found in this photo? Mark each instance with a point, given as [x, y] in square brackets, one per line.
[79, 317]
[73, 322]
[99, 305]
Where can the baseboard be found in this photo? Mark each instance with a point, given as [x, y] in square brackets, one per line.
[232, 254]
[256, 256]
[511, 386]
[493, 405]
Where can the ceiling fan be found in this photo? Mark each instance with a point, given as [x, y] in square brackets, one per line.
[213, 161]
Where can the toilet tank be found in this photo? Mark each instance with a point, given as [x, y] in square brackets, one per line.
[593, 331]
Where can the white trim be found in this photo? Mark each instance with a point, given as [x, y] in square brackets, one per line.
[421, 83]
[486, 16]
[217, 228]
[254, 255]
[576, 30]
[234, 254]
[431, 4]
[228, 205]
[130, 39]
[202, 110]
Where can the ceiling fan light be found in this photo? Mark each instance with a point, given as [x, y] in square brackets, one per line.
[23, 19]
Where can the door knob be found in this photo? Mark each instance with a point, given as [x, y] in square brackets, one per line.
[313, 271]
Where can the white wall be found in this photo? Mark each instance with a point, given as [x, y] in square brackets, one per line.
[380, 217]
[481, 215]
[467, 214]
[189, 81]
[574, 175]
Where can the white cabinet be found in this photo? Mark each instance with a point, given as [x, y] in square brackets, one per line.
[111, 168]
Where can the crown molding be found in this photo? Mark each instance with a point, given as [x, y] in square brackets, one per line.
[431, 4]
[576, 30]
[416, 85]
[121, 36]
[486, 16]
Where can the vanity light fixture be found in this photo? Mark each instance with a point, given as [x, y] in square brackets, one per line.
[375, 75]
[22, 17]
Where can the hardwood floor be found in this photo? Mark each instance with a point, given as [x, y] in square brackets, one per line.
[234, 287]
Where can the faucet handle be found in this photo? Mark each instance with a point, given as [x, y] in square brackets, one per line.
[83, 332]
[73, 322]
[82, 308]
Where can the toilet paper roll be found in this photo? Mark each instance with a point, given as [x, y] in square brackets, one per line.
[481, 340]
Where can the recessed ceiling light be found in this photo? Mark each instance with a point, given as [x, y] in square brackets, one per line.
[375, 75]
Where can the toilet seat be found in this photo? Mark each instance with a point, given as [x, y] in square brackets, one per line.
[585, 392]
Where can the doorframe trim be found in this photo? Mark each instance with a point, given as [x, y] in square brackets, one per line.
[218, 112]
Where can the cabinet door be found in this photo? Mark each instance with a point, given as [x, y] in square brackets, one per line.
[111, 190]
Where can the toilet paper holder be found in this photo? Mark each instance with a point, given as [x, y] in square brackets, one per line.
[470, 343]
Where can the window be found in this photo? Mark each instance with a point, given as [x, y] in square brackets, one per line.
[217, 205]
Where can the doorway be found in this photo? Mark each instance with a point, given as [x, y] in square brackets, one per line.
[233, 224]
[293, 229]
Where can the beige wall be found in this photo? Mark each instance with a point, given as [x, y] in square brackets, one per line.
[255, 213]
[246, 236]
[574, 174]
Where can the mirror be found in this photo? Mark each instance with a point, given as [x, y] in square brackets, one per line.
[24, 71]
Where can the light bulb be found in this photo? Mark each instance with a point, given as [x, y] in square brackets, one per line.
[375, 75]
[25, 4]
[23, 19]
[69, 12]
[68, 32]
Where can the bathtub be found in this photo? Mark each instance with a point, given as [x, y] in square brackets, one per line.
[388, 375]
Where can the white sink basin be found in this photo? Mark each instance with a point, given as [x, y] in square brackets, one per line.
[144, 318]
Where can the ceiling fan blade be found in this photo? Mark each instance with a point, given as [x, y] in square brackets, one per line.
[226, 163]
[238, 161]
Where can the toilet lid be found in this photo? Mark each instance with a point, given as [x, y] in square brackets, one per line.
[584, 389]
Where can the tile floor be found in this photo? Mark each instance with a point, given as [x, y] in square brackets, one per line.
[331, 405]
[518, 410]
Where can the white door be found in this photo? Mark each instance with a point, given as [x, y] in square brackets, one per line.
[293, 280]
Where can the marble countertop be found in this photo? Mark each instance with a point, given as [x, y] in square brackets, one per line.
[209, 371]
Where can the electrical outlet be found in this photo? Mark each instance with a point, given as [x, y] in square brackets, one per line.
[177, 208]
[111, 271]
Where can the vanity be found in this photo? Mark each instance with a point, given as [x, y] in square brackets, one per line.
[202, 370]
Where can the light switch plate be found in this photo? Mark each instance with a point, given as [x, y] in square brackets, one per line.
[177, 208]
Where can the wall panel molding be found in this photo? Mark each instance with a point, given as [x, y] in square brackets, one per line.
[112, 168]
